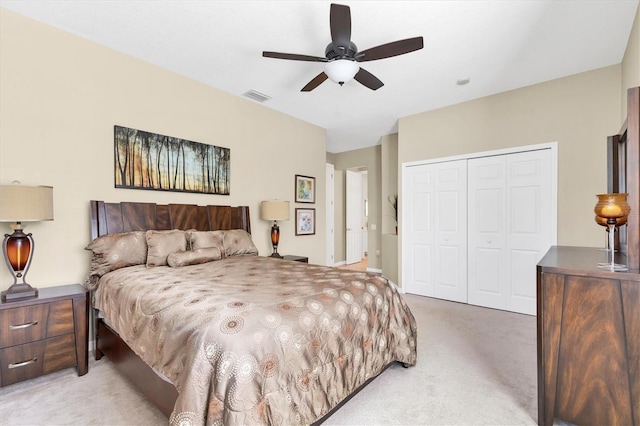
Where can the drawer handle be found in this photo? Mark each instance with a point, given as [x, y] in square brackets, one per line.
[23, 363]
[21, 326]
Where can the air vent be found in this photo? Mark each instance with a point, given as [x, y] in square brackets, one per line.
[256, 96]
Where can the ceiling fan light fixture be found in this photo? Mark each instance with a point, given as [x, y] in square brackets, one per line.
[341, 70]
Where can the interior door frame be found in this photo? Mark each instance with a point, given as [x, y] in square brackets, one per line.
[553, 146]
[331, 211]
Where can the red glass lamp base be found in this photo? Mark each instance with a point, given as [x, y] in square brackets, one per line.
[275, 238]
[17, 249]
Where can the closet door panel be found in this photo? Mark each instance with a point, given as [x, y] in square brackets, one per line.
[419, 231]
[488, 272]
[528, 224]
[450, 230]
[435, 230]
[523, 284]
[487, 232]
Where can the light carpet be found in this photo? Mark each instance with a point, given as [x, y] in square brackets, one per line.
[476, 366]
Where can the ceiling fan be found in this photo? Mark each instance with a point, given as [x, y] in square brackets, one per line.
[342, 56]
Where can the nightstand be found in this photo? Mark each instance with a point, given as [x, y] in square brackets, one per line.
[302, 259]
[44, 334]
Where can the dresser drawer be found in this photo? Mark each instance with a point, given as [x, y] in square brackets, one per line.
[31, 323]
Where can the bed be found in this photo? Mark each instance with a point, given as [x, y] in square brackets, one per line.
[214, 334]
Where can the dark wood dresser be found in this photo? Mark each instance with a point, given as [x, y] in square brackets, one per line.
[44, 334]
[588, 323]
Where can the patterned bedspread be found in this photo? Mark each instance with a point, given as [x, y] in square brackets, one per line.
[256, 340]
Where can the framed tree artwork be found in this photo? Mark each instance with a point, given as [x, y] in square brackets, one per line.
[145, 160]
[305, 189]
[305, 221]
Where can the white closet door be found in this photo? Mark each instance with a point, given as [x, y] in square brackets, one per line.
[529, 224]
[435, 230]
[450, 230]
[510, 213]
[487, 232]
[417, 231]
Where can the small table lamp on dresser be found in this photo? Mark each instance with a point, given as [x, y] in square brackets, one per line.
[20, 203]
[274, 210]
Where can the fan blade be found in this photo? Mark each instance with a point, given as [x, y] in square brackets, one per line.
[340, 22]
[365, 78]
[317, 80]
[388, 50]
[293, 57]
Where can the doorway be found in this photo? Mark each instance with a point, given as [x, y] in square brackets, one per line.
[356, 214]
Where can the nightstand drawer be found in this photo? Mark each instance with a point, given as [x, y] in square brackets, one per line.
[22, 325]
[31, 323]
[31, 360]
[21, 362]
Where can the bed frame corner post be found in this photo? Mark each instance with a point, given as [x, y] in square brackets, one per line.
[246, 220]
[98, 218]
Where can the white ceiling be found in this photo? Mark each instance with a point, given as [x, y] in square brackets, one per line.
[500, 45]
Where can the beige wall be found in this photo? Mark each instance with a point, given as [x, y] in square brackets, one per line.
[62, 95]
[631, 65]
[369, 159]
[339, 224]
[577, 112]
[389, 174]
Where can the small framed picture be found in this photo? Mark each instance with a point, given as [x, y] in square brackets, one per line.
[305, 189]
[305, 221]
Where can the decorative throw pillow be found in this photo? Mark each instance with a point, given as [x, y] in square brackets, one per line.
[162, 243]
[194, 257]
[205, 239]
[237, 242]
[115, 251]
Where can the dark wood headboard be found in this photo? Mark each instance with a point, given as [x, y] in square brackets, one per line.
[110, 218]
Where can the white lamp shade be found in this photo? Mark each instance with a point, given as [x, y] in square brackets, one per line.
[274, 210]
[341, 70]
[20, 203]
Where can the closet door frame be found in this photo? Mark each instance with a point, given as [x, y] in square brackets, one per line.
[552, 146]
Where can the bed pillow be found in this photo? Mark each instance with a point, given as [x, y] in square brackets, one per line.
[115, 251]
[237, 242]
[194, 257]
[162, 243]
[205, 239]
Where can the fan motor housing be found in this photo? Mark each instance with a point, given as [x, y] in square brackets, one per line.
[331, 52]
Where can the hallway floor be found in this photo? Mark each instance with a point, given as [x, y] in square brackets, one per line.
[360, 266]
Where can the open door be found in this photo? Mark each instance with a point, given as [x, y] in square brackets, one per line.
[354, 211]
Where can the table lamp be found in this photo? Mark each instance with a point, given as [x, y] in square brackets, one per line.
[612, 209]
[20, 203]
[274, 210]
